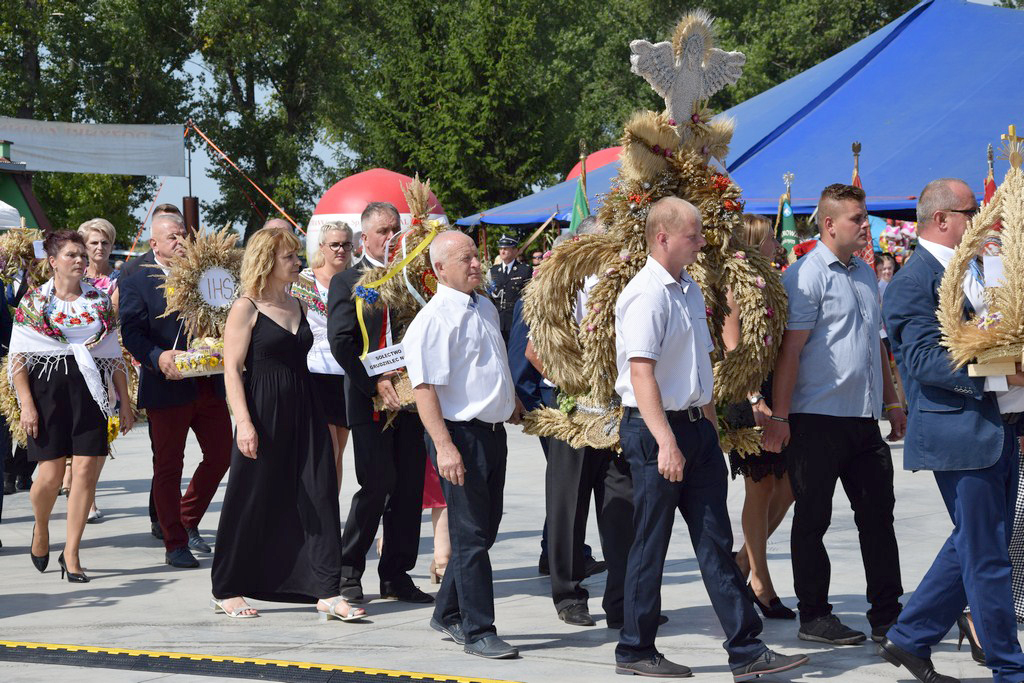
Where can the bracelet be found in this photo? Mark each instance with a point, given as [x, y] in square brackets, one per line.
[891, 406]
[779, 419]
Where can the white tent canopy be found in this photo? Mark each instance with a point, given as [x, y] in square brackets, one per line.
[9, 216]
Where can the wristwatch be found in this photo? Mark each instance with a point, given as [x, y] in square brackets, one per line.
[755, 399]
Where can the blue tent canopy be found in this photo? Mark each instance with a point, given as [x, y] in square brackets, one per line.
[922, 107]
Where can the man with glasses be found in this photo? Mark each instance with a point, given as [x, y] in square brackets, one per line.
[830, 379]
[967, 436]
[390, 463]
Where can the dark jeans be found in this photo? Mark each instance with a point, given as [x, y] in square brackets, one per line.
[390, 464]
[474, 512]
[701, 499]
[572, 476]
[824, 449]
[973, 566]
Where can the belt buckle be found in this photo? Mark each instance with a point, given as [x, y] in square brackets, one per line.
[693, 414]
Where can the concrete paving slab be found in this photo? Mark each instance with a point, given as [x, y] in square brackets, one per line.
[137, 602]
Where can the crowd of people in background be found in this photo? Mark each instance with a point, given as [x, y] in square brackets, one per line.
[297, 391]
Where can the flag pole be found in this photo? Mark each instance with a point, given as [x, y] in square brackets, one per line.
[856, 162]
[583, 173]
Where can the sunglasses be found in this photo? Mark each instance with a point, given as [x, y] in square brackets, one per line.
[969, 213]
[339, 246]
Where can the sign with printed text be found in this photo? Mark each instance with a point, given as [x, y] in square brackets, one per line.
[217, 287]
[385, 360]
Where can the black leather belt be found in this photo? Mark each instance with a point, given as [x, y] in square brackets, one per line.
[489, 426]
[1012, 418]
[691, 414]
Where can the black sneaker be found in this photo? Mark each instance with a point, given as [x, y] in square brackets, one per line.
[452, 630]
[878, 633]
[404, 592]
[828, 629]
[656, 667]
[768, 663]
[181, 558]
[593, 567]
[491, 647]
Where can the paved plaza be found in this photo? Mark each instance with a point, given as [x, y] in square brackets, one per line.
[135, 601]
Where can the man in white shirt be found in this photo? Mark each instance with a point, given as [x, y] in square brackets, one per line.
[464, 392]
[669, 439]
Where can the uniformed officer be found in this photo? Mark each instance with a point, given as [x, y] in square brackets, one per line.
[508, 277]
[459, 372]
[669, 439]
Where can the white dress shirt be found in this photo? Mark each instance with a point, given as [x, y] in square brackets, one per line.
[1011, 400]
[664, 319]
[455, 344]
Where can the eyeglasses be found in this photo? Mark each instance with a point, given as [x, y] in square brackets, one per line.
[968, 213]
[339, 246]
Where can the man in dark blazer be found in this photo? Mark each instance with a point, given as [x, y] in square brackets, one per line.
[390, 463]
[507, 281]
[174, 404]
[954, 429]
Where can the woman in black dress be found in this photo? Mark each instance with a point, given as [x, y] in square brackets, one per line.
[279, 537]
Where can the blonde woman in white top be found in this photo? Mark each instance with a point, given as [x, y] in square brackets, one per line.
[332, 256]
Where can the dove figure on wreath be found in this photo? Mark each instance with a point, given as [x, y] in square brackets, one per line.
[684, 71]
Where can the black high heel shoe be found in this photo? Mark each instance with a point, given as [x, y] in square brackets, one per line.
[964, 624]
[774, 609]
[72, 577]
[42, 561]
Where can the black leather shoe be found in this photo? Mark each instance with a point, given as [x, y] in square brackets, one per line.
[452, 630]
[768, 663]
[491, 647]
[921, 669]
[576, 615]
[657, 667]
[196, 542]
[158, 533]
[352, 591]
[542, 566]
[9, 488]
[181, 558]
[617, 623]
[593, 566]
[404, 592]
[23, 483]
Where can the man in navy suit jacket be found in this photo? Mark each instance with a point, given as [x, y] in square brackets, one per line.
[956, 431]
[173, 404]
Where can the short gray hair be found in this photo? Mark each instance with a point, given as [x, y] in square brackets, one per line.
[100, 225]
[316, 260]
[937, 195]
[374, 209]
[590, 226]
[169, 217]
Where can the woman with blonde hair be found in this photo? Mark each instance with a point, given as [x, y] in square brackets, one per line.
[768, 493]
[332, 256]
[279, 537]
[98, 235]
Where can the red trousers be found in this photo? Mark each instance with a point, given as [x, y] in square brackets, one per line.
[208, 417]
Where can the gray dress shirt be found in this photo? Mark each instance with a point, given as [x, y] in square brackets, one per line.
[840, 366]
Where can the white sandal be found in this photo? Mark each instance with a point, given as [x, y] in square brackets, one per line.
[237, 613]
[354, 613]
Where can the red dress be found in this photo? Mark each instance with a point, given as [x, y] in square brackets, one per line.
[432, 496]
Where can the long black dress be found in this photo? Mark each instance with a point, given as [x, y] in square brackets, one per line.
[279, 537]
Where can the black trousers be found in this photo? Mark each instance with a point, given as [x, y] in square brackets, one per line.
[389, 468]
[824, 449]
[474, 512]
[17, 464]
[572, 475]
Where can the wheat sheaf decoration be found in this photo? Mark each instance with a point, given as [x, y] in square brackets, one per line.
[998, 336]
[408, 282]
[182, 286]
[667, 154]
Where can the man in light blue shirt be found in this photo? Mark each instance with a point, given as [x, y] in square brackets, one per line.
[828, 393]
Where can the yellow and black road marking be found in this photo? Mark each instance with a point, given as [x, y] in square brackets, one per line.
[211, 665]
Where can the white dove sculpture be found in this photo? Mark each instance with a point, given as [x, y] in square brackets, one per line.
[687, 70]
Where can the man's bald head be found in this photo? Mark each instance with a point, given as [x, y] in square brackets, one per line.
[943, 209]
[456, 261]
[673, 233]
[167, 234]
[278, 223]
[444, 244]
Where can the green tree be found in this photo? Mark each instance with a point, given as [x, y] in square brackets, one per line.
[96, 61]
[276, 71]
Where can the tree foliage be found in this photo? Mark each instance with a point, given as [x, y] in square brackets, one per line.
[101, 61]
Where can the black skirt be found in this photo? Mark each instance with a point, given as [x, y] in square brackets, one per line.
[765, 463]
[70, 422]
[330, 392]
